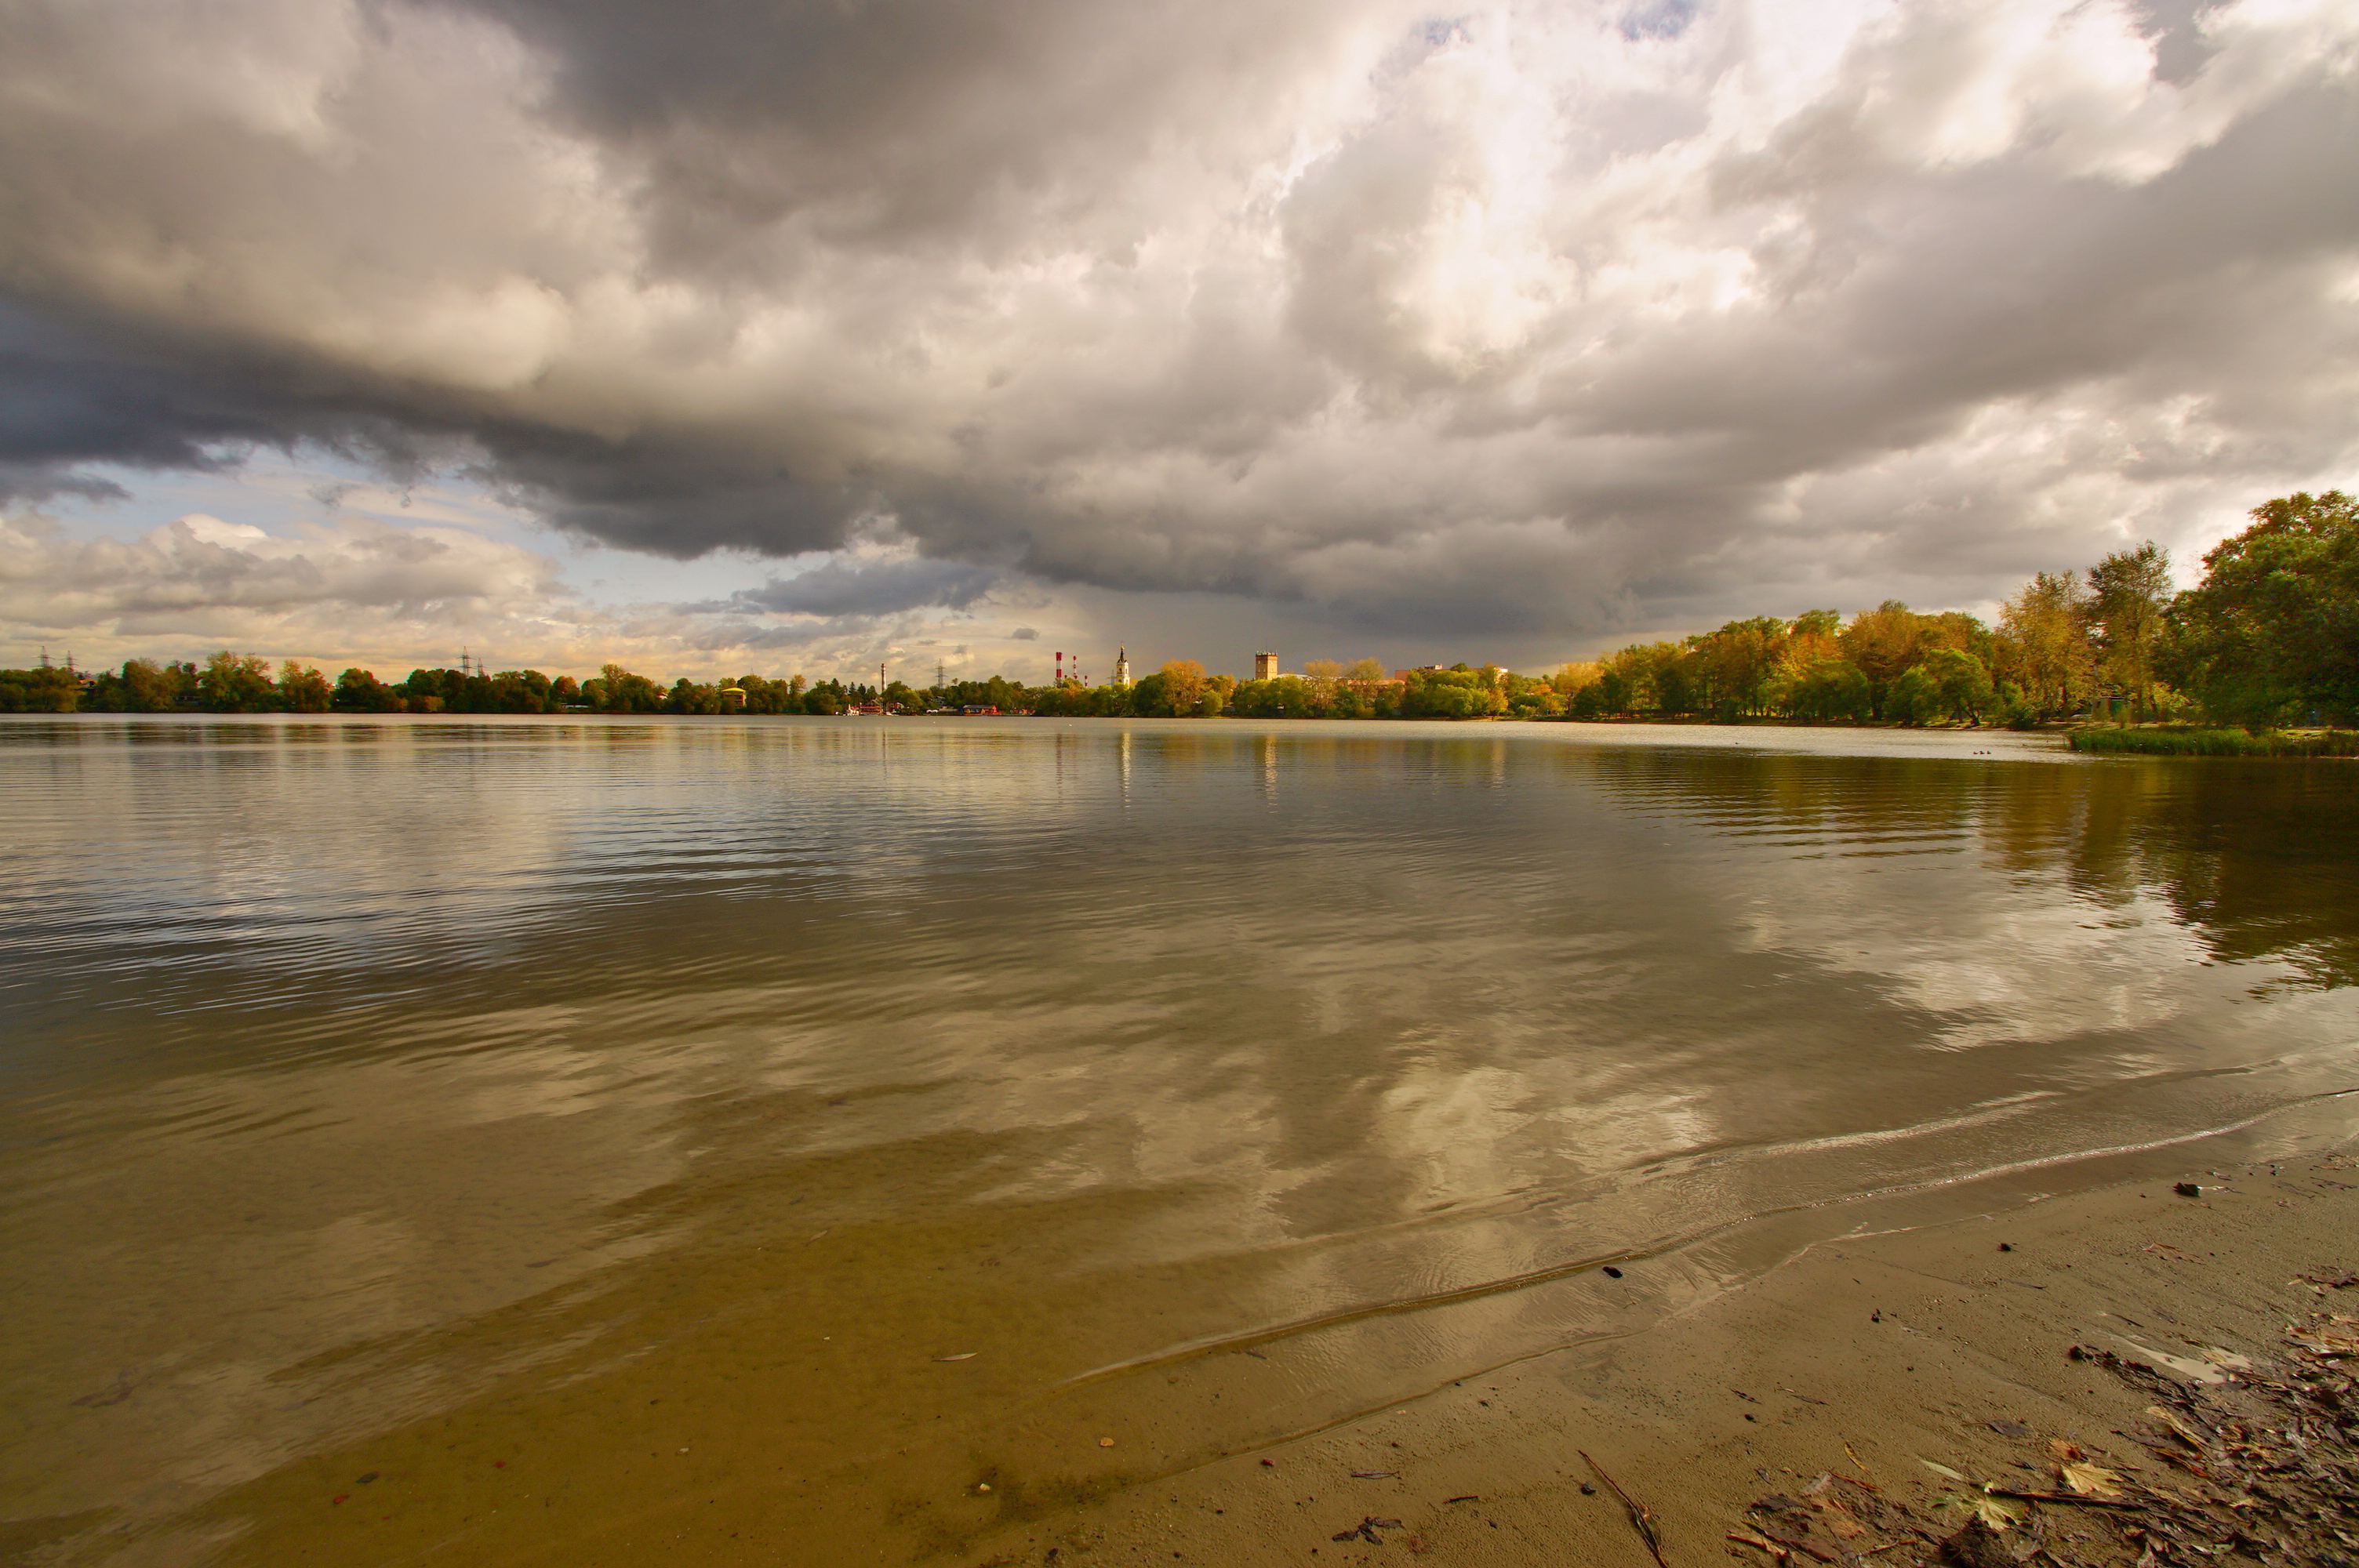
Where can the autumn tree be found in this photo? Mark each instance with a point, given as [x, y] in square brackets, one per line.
[1884, 643]
[2043, 643]
[2130, 591]
[302, 689]
[1183, 685]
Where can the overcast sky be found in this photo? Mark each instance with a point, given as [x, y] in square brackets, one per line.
[799, 334]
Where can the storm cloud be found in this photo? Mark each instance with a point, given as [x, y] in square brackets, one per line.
[1525, 322]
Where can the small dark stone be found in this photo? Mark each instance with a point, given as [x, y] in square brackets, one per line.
[2006, 1246]
[1612, 1272]
[2187, 1190]
[365, 1480]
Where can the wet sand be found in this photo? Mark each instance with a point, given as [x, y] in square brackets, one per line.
[1865, 1356]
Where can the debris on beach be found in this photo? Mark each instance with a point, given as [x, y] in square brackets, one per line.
[2256, 1465]
[1366, 1530]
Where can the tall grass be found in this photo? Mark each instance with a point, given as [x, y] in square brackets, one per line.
[2160, 742]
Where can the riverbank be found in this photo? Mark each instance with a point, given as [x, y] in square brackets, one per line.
[2127, 1348]
[2179, 741]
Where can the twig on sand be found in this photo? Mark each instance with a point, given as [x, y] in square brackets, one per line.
[2070, 1498]
[1642, 1517]
[1760, 1544]
[1863, 1466]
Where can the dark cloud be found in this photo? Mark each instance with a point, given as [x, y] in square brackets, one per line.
[1527, 322]
[854, 587]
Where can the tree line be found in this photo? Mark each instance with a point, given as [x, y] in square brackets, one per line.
[2270, 636]
[243, 682]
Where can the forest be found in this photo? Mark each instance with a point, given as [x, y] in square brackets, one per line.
[2268, 637]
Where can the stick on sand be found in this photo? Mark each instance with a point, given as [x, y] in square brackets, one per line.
[1642, 1517]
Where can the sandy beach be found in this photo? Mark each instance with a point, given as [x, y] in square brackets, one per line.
[1867, 1391]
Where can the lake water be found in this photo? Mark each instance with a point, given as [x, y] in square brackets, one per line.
[718, 1140]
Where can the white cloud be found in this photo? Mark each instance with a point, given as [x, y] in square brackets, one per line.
[350, 589]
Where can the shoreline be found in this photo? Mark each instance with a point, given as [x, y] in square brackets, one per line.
[1872, 1358]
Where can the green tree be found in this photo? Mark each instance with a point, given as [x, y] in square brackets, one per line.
[1530, 696]
[1913, 698]
[693, 697]
[45, 689]
[230, 683]
[1455, 693]
[620, 691]
[1960, 683]
[2272, 632]
[1831, 690]
[151, 687]
[359, 691]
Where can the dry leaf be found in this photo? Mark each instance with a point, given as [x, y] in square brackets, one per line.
[1997, 1513]
[2187, 1432]
[1941, 1469]
[2093, 1480]
[2065, 1452]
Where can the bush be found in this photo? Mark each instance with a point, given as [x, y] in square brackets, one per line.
[2015, 709]
[2215, 742]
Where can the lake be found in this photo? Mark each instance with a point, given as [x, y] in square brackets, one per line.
[715, 1138]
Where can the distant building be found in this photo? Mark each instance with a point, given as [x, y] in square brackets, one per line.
[1122, 669]
[1265, 666]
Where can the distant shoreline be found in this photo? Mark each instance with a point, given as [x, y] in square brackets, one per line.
[2089, 739]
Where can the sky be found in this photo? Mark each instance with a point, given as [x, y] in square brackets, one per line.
[726, 336]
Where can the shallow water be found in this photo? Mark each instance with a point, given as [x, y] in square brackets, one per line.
[677, 1134]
